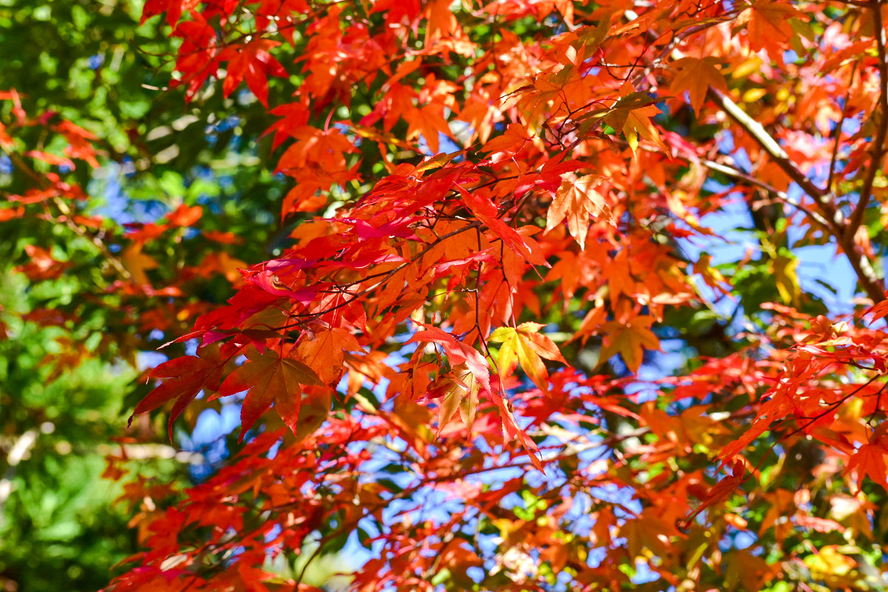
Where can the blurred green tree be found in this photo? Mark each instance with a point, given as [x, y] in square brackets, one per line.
[122, 216]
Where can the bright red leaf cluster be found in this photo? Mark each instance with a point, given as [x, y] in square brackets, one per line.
[494, 198]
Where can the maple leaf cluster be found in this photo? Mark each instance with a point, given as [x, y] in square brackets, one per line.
[493, 224]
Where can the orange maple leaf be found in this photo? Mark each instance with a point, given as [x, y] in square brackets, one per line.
[514, 138]
[458, 391]
[578, 200]
[696, 75]
[768, 25]
[136, 262]
[325, 351]
[629, 340]
[427, 121]
[869, 459]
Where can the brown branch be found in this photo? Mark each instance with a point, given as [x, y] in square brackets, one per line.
[866, 192]
[779, 195]
[738, 174]
[776, 152]
[79, 230]
[837, 224]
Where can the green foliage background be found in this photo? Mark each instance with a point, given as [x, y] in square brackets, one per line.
[93, 64]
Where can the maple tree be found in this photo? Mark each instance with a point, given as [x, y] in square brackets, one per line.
[497, 217]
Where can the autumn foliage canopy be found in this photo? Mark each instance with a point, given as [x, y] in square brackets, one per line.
[564, 295]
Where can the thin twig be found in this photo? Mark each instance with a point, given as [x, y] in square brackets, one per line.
[780, 195]
[838, 131]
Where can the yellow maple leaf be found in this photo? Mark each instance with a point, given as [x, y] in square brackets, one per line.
[525, 345]
[786, 278]
[632, 114]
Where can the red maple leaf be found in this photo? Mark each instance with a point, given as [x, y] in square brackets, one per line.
[269, 378]
[252, 63]
[183, 378]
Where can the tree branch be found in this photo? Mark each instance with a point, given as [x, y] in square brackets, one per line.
[866, 192]
[837, 224]
[17, 452]
[838, 132]
[780, 195]
[776, 152]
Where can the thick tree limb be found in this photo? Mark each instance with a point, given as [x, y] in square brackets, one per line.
[776, 152]
[866, 192]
